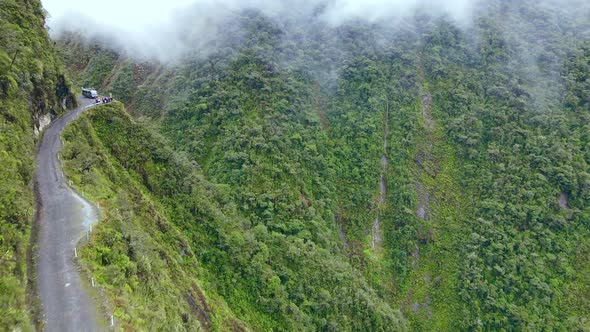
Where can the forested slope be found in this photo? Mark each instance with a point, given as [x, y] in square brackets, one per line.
[166, 230]
[33, 89]
[518, 133]
[484, 130]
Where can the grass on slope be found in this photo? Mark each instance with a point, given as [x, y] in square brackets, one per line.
[145, 266]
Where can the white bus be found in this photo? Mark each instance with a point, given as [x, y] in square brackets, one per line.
[89, 93]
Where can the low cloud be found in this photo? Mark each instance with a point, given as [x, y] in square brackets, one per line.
[164, 30]
[388, 10]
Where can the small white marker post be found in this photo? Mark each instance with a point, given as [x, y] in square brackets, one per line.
[92, 279]
[75, 253]
[112, 321]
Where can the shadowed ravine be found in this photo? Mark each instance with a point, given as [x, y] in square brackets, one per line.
[63, 218]
[377, 237]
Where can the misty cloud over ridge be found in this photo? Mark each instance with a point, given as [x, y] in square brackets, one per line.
[164, 30]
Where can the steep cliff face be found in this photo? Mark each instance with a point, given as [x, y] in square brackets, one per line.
[33, 90]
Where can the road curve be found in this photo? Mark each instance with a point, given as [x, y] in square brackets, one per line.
[63, 218]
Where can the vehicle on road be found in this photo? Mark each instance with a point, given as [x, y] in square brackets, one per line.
[89, 93]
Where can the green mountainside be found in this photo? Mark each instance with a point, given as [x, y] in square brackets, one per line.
[481, 220]
[430, 175]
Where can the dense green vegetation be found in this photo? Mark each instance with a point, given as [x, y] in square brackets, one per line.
[427, 176]
[524, 156]
[32, 86]
[175, 228]
[484, 223]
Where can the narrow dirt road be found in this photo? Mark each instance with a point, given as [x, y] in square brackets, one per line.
[63, 217]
